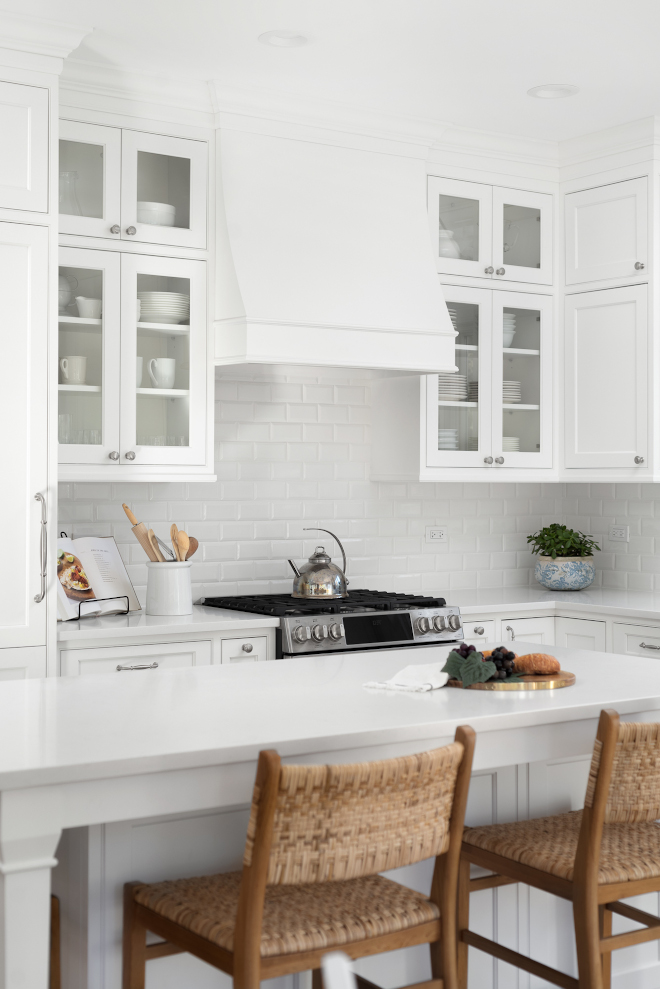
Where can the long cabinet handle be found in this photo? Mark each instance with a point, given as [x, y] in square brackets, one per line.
[43, 548]
[138, 666]
[647, 645]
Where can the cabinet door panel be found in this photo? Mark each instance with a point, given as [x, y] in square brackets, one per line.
[579, 633]
[522, 236]
[529, 630]
[478, 633]
[24, 147]
[90, 179]
[606, 368]
[606, 232]
[460, 215]
[253, 649]
[636, 640]
[24, 417]
[167, 656]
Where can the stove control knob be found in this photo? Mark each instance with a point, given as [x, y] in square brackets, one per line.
[423, 625]
[336, 631]
[439, 623]
[455, 622]
[301, 634]
[320, 632]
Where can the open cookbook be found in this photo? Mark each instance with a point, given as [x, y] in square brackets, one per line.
[88, 569]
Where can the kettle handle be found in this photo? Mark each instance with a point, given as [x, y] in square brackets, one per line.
[316, 529]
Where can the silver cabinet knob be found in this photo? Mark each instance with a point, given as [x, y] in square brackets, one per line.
[115, 229]
[247, 647]
[114, 454]
[639, 460]
[478, 630]
[488, 460]
[131, 231]
[500, 271]
[489, 270]
[130, 455]
[499, 460]
[639, 266]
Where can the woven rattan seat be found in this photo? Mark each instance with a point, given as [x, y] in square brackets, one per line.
[295, 918]
[627, 851]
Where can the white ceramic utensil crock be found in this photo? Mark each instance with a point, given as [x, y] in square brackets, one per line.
[169, 591]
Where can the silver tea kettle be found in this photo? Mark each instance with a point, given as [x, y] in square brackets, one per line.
[320, 577]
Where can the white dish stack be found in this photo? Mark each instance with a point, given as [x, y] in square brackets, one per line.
[158, 214]
[473, 391]
[452, 387]
[447, 439]
[510, 444]
[511, 392]
[164, 307]
[509, 328]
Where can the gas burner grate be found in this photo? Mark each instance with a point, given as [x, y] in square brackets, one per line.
[281, 605]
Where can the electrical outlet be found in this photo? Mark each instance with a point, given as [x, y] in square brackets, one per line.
[437, 533]
[620, 533]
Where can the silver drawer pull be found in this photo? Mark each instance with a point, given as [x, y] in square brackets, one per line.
[138, 666]
[478, 630]
[247, 647]
[43, 548]
[513, 634]
[647, 645]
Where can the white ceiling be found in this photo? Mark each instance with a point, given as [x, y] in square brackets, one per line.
[464, 62]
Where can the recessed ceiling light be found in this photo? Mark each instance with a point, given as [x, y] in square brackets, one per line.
[283, 39]
[553, 91]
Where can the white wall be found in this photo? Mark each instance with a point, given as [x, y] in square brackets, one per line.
[292, 450]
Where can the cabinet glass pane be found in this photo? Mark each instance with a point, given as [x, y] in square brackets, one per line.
[81, 179]
[521, 385]
[163, 360]
[459, 228]
[458, 394]
[80, 412]
[163, 190]
[522, 236]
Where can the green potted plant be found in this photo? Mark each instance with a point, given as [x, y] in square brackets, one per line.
[565, 558]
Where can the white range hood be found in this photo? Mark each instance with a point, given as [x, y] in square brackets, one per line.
[325, 258]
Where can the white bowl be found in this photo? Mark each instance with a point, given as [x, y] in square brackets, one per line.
[157, 214]
[508, 336]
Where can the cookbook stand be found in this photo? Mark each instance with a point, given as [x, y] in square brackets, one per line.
[120, 597]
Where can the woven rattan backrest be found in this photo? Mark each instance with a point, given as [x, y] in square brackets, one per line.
[634, 793]
[341, 822]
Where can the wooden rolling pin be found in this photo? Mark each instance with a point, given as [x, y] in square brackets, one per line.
[141, 533]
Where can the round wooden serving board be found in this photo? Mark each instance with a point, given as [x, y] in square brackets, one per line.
[531, 681]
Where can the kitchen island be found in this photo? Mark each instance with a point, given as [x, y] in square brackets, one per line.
[105, 750]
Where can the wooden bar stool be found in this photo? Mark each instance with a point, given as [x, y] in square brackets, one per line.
[594, 857]
[317, 838]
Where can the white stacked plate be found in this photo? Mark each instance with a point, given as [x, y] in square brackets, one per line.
[452, 387]
[510, 444]
[511, 392]
[447, 439]
[164, 307]
[473, 391]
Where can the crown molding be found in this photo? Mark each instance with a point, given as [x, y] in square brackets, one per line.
[634, 136]
[57, 39]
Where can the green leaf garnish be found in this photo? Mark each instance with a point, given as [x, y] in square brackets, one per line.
[454, 665]
[470, 670]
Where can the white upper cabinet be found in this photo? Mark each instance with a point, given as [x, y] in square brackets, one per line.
[606, 368]
[491, 232]
[606, 233]
[128, 185]
[23, 147]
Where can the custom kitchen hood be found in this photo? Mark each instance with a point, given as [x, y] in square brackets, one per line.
[325, 258]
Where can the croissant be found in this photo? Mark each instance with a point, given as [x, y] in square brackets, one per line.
[536, 662]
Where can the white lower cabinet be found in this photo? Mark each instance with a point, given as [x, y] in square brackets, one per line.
[245, 650]
[478, 633]
[125, 659]
[529, 629]
[636, 640]
[580, 633]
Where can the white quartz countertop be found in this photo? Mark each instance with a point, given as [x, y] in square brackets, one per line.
[203, 619]
[593, 600]
[69, 729]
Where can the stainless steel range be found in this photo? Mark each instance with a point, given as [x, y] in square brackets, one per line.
[363, 620]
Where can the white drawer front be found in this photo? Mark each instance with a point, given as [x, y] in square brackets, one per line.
[636, 640]
[529, 629]
[580, 633]
[478, 633]
[166, 656]
[251, 649]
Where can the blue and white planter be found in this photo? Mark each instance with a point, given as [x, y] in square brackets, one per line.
[566, 573]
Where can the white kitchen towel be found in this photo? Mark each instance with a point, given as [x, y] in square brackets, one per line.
[415, 678]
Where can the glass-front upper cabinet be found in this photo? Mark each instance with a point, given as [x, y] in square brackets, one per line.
[491, 232]
[88, 358]
[127, 185]
[459, 404]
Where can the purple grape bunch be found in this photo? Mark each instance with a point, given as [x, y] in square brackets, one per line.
[464, 650]
[504, 661]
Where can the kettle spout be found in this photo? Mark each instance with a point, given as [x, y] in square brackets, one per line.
[294, 568]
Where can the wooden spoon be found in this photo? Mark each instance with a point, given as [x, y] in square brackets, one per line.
[183, 542]
[173, 534]
[155, 547]
[194, 545]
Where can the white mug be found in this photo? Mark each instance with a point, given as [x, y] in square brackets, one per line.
[162, 371]
[88, 308]
[139, 368]
[74, 370]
